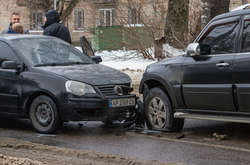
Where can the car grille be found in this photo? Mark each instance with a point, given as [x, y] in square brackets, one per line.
[109, 90]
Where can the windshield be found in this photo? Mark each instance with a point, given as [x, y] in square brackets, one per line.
[49, 52]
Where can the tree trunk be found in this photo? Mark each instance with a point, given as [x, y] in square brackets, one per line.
[176, 28]
[214, 8]
[70, 7]
[158, 46]
[219, 7]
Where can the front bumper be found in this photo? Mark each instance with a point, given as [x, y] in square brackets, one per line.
[96, 109]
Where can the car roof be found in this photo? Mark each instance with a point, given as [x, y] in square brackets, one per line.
[21, 36]
[232, 13]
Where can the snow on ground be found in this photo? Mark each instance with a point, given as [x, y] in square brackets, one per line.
[131, 62]
[131, 59]
[124, 60]
[170, 51]
[241, 7]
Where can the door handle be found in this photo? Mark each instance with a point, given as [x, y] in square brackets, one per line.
[223, 64]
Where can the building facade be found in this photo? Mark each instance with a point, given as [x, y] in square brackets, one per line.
[93, 18]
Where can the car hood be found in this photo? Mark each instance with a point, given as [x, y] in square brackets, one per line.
[173, 60]
[94, 74]
[168, 63]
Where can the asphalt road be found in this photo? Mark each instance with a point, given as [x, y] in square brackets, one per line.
[199, 143]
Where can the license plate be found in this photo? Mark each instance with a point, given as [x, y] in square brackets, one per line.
[123, 102]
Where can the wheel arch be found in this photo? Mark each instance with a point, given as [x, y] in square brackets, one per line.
[34, 95]
[157, 81]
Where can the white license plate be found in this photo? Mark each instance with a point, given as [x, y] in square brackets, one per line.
[123, 102]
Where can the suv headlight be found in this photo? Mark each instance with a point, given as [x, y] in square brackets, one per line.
[79, 88]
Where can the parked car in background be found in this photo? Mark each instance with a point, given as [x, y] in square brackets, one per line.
[49, 81]
[211, 81]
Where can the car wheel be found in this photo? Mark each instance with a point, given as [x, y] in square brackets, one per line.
[44, 115]
[159, 113]
[107, 123]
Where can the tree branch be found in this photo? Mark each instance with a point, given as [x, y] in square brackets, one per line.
[69, 9]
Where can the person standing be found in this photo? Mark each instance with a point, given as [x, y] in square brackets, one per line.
[17, 28]
[53, 27]
[15, 18]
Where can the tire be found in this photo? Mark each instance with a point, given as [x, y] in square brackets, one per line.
[44, 115]
[108, 124]
[159, 113]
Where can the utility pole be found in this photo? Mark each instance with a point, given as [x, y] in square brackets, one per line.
[55, 4]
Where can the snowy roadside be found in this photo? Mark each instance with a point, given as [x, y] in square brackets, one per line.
[131, 62]
[7, 160]
[131, 59]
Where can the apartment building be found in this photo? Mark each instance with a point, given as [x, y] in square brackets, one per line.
[100, 20]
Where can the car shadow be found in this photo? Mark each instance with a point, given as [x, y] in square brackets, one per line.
[15, 124]
[91, 129]
[225, 132]
[69, 128]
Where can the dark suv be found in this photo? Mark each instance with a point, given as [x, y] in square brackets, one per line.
[211, 81]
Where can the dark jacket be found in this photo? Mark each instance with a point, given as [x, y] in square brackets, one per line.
[52, 27]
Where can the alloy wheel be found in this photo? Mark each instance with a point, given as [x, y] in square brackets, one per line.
[157, 113]
[44, 114]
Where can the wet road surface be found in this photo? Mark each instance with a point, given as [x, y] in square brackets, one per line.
[195, 145]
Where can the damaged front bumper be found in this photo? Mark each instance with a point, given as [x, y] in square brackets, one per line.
[119, 110]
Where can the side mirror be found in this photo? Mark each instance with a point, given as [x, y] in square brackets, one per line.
[96, 59]
[11, 65]
[205, 49]
[193, 49]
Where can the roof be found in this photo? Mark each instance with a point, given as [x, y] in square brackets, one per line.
[242, 7]
[233, 13]
[19, 36]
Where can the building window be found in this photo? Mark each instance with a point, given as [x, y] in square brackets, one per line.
[36, 21]
[106, 17]
[78, 19]
[134, 16]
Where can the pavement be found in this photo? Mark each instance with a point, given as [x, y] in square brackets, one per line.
[198, 144]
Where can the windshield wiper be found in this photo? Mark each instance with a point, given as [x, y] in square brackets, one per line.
[47, 64]
[61, 64]
[78, 63]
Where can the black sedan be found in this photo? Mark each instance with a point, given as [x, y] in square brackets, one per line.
[49, 81]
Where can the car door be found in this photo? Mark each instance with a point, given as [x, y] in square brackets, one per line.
[86, 47]
[207, 79]
[241, 70]
[10, 87]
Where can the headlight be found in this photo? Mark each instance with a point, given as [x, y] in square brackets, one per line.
[79, 88]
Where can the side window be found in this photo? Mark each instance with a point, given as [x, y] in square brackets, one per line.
[221, 38]
[245, 46]
[6, 53]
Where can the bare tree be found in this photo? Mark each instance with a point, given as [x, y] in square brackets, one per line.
[176, 28]
[144, 22]
[64, 7]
